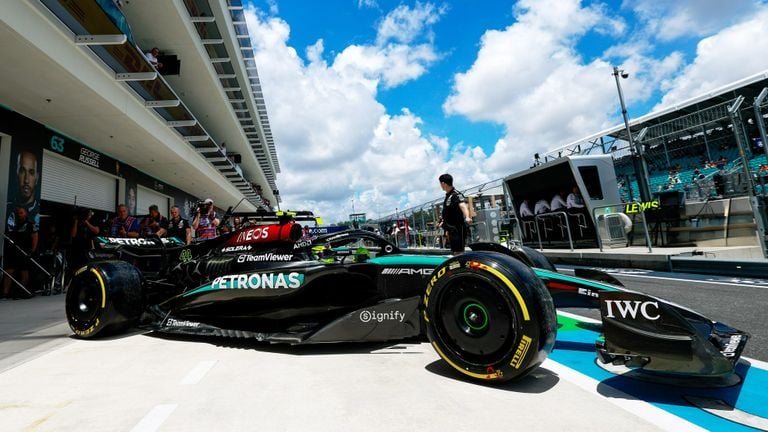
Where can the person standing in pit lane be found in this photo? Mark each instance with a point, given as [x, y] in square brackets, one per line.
[455, 217]
[124, 225]
[178, 227]
[205, 222]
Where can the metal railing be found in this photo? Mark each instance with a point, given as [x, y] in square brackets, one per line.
[550, 215]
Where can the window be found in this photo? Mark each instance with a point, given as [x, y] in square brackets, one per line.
[591, 179]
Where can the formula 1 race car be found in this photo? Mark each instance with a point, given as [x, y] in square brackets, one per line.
[489, 313]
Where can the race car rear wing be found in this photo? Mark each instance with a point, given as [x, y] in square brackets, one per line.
[278, 217]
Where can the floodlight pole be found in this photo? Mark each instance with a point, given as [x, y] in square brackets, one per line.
[636, 151]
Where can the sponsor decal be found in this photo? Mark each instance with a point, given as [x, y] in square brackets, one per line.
[407, 271]
[240, 248]
[302, 244]
[337, 236]
[259, 281]
[89, 330]
[733, 344]
[435, 276]
[172, 322]
[368, 316]
[185, 255]
[630, 308]
[266, 257]
[136, 241]
[454, 265]
[253, 234]
[588, 293]
[520, 352]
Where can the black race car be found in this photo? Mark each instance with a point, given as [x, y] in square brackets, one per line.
[489, 313]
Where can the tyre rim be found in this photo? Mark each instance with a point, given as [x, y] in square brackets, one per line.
[475, 316]
[474, 320]
[87, 302]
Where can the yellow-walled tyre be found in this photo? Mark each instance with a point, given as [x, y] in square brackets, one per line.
[489, 317]
[104, 298]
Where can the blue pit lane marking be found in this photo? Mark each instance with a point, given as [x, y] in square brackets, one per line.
[576, 349]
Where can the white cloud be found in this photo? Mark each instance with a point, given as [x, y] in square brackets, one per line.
[405, 24]
[731, 54]
[529, 78]
[394, 59]
[335, 141]
[668, 20]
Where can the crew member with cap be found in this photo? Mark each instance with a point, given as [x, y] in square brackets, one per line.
[205, 221]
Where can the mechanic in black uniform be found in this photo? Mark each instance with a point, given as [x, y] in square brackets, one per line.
[455, 218]
[82, 232]
[24, 235]
[177, 227]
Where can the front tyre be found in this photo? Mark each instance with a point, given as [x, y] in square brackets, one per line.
[104, 298]
[489, 317]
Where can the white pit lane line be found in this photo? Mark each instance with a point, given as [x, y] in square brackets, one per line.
[630, 404]
[198, 372]
[642, 409]
[154, 418]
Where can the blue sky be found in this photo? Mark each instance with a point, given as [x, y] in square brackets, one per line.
[371, 100]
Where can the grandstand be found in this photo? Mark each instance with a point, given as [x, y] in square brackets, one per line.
[707, 149]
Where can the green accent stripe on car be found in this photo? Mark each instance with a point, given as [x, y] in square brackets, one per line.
[199, 290]
[425, 260]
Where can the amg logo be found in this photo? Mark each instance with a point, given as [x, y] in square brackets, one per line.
[264, 257]
[630, 308]
[407, 271]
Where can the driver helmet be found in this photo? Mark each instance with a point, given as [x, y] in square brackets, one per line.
[323, 253]
[362, 254]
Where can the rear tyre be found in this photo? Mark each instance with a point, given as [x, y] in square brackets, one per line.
[489, 317]
[104, 298]
[539, 259]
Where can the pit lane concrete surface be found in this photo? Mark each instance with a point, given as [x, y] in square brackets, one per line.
[52, 382]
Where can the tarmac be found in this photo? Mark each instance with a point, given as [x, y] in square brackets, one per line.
[145, 383]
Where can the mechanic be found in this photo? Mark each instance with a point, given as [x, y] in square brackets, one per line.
[24, 235]
[178, 227]
[81, 235]
[455, 218]
[205, 222]
[124, 225]
[154, 223]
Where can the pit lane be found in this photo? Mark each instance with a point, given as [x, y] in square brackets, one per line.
[146, 383]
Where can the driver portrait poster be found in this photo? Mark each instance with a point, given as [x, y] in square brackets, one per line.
[24, 181]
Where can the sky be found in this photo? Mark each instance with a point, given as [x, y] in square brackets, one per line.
[370, 101]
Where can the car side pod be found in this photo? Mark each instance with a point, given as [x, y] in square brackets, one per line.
[489, 316]
[644, 334]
